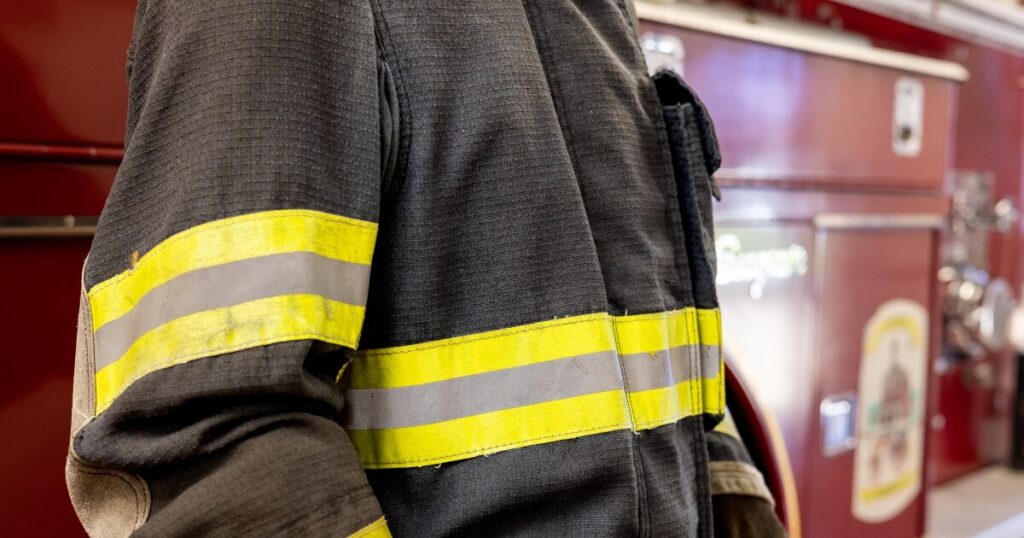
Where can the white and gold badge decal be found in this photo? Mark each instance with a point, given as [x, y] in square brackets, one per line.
[890, 416]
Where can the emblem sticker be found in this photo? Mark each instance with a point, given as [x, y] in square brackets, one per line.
[888, 461]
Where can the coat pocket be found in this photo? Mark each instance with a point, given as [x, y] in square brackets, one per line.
[695, 158]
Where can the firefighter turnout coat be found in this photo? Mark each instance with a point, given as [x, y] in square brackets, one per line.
[414, 267]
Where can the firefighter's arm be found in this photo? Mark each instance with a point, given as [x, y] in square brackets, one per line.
[741, 502]
[227, 282]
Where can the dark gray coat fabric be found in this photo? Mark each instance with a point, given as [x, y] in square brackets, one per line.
[516, 156]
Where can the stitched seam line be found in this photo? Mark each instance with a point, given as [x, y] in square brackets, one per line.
[140, 517]
[483, 450]
[405, 130]
[597, 316]
[594, 316]
[90, 352]
[211, 352]
[368, 529]
[145, 260]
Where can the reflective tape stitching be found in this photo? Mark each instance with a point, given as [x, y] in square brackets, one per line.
[357, 252]
[630, 413]
[696, 398]
[377, 528]
[496, 448]
[489, 335]
[450, 457]
[382, 446]
[443, 401]
[295, 311]
[177, 298]
[560, 419]
[104, 401]
[216, 225]
[368, 364]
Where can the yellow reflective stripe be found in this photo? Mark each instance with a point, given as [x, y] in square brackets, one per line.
[714, 393]
[652, 332]
[483, 352]
[309, 261]
[529, 344]
[377, 529]
[223, 330]
[488, 433]
[710, 327]
[709, 322]
[658, 407]
[384, 383]
[233, 239]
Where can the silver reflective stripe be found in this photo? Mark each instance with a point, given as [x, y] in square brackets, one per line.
[231, 284]
[482, 393]
[668, 367]
[430, 403]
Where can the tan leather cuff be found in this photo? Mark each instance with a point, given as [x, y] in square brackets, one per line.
[738, 478]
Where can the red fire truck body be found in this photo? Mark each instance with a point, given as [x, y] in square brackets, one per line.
[836, 158]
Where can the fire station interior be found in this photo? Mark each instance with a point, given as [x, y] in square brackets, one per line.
[868, 240]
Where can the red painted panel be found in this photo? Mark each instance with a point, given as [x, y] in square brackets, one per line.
[38, 328]
[40, 295]
[39, 188]
[759, 430]
[769, 339]
[775, 205]
[783, 114]
[63, 70]
[861, 269]
[62, 66]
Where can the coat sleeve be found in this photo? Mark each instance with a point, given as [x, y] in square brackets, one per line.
[227, 282]
[741, 503]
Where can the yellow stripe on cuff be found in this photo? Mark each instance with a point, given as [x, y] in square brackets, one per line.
[229, 240]
[223, 330]
[228, 285]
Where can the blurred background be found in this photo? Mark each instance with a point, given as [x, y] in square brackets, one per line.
[869, 246]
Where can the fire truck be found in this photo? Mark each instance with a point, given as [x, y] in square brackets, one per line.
[868, 238]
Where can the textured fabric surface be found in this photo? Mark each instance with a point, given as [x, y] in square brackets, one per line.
[270, 460]
[674, 460]
[580, 487]
[517, 159]
[109, 502]
[724, 447]
[236, 107]
[738, 478]
[695, 156]
[741, 503]
[743, 516]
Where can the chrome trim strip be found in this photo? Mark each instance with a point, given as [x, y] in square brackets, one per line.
[736, 24]
[47, 226]
[881, 221]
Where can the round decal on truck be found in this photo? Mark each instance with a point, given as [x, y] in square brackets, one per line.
[890, 414]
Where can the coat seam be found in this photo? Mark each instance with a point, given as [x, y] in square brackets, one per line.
[389, 55]
[541, 37]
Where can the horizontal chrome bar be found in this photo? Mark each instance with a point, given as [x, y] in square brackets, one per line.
[736, 23]
[47, 226]
[61, 153]
[883, 221]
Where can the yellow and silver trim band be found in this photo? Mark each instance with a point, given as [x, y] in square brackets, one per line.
[474, 395]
